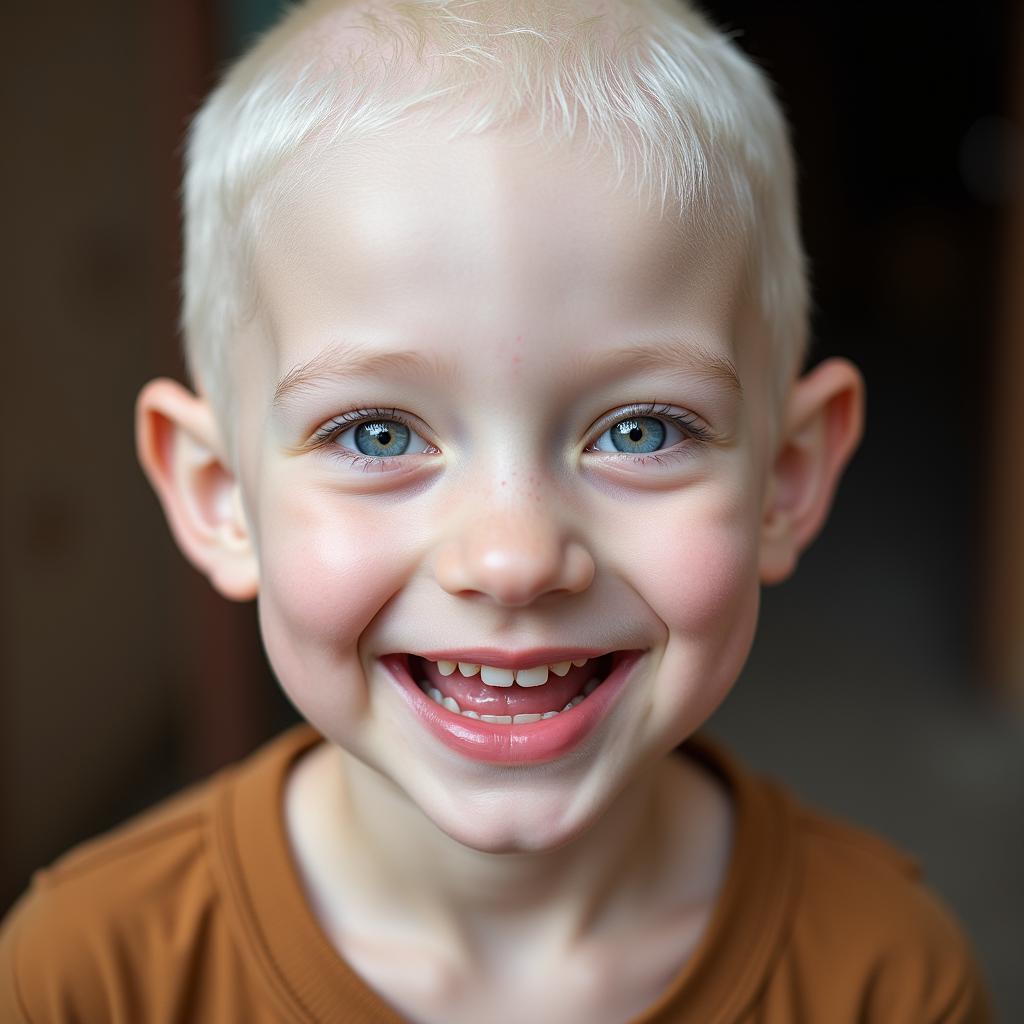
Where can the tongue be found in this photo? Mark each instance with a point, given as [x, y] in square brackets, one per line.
[474, 695]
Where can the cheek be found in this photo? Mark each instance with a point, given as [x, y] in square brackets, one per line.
[700, 574]
[324, 575]
[700, 579]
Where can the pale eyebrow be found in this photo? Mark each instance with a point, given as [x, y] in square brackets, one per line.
[345, 362]
[677, 358]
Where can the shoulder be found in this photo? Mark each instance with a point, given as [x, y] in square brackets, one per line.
[864, 912]
[830, 922]
[74, 946]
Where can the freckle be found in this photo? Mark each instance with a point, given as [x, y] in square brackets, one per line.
[503, 482]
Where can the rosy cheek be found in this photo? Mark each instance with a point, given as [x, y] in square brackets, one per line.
[702, 584]
[324, 575]
[696, 567]
[709, 575]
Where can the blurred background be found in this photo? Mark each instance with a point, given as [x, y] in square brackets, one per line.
[887, 681]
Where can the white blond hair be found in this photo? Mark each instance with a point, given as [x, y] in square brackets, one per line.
[673, 99]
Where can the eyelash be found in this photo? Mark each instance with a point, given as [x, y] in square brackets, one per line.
[688, 423]
[337, 426]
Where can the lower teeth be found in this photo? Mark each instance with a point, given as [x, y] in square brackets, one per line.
[450, 704]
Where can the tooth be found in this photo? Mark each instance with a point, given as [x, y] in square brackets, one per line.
[470, 714]
[451, 704]
[580, 662]
[578, 699]
[549, 714]
[532, 676]
[496, 676]
[569, 706]
[435, 694]
[524, 719]
[497, 719]
[591, 687]
[446, 668]
[468, 669]
[561, 667]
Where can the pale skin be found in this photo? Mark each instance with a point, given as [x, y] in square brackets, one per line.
[464, 891]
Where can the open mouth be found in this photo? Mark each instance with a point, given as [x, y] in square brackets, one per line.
[510, 696]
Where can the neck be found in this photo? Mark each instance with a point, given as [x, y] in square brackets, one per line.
[375, 859]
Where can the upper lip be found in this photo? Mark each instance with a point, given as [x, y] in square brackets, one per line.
[503, 658]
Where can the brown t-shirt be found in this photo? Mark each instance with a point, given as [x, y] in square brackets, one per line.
[194, 912]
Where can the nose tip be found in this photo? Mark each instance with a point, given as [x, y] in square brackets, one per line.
[513, 565]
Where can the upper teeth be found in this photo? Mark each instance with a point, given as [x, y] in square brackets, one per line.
[536, 676]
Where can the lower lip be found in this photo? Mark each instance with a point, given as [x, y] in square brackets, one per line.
[534, 743]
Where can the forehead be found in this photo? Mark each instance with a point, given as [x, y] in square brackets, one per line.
[464, 244]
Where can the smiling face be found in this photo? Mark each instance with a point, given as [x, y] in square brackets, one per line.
[503, 418]
[500, 414]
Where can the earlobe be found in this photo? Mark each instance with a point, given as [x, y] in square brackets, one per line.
[181, 452]
[822, 425]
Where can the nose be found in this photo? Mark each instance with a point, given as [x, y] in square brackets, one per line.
[513, 557]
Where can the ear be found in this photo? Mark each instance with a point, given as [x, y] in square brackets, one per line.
[181, 452]
[821, 426]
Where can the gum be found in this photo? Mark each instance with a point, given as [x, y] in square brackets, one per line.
[472, 694]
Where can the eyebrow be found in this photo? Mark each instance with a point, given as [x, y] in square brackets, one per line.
[689, 360]
[343, 362]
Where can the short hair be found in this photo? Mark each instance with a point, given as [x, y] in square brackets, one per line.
[673, 99]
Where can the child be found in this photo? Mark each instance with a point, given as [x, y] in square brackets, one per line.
[496, 313]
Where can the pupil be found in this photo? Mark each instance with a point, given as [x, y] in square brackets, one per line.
[635, 434]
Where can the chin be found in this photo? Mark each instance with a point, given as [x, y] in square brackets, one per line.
[489, 824]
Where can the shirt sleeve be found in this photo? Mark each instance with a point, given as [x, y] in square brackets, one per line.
[12, 1007]
[935, 978]
[970, 1002]
[55, 963]
[871, 942]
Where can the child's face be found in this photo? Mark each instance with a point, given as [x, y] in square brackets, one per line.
[516, 498]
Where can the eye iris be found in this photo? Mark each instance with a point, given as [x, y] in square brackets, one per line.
[640, 435]
[383, 437]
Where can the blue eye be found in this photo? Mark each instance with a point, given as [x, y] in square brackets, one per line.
[376, 438]
[383, 438]
[639, 435]
[644, 435]
[380, 438]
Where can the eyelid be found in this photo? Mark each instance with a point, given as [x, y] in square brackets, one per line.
[684, 419]
[339, 424]
[325, 436]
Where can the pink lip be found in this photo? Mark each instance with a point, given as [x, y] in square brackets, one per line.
[535, 743]
[526, 658]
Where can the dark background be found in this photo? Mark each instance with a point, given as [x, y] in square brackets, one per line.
[875, 689]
